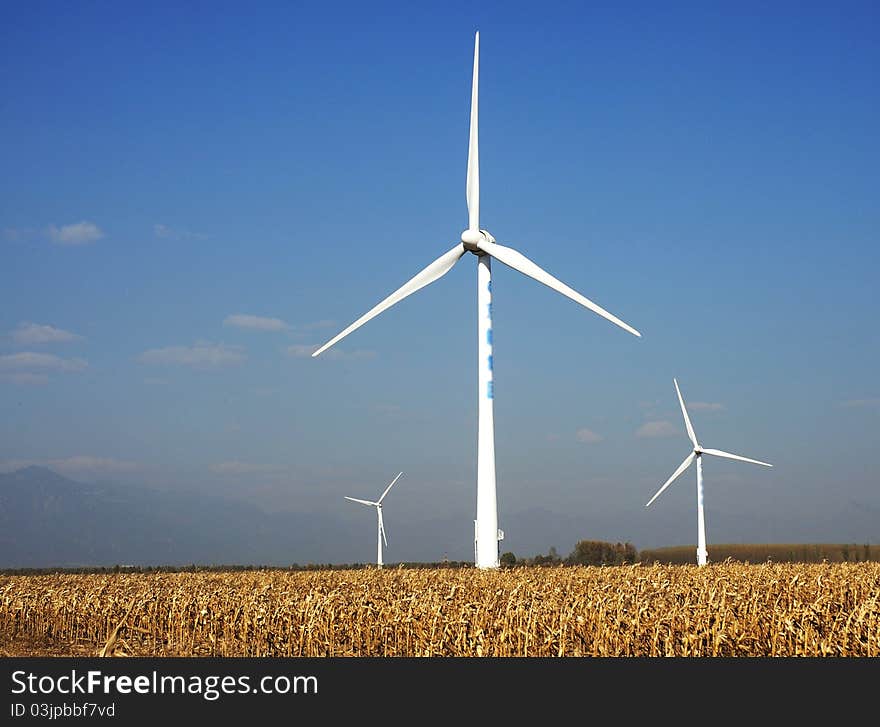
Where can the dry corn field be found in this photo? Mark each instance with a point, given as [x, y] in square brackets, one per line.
[725, 609]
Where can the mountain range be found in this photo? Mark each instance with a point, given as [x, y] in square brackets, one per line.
[49, 520]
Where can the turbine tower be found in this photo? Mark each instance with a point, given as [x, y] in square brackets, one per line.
[697, 454]
[481, 244]
[380, 535]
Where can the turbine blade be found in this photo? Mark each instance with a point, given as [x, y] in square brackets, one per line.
[389, 487]
[382, 527]
[681, 468]
[362, 502]
[435, 270]
[473, 168]
[687, 419]
[520, 262]
[728, 455]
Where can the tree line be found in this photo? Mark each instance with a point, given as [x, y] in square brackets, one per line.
[585, 552]
[598, 552]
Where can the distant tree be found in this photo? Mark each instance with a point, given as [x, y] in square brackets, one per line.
[508, 559]
[599, 552]
[552, 558]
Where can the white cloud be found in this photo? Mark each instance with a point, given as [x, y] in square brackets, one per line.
[859, 403]
[656, 430]
[242, 468]
[704, 406]
[170, 233]
[78, 233]
[31, 333]
[29, 360]
[202, 355]
[587, 436]
[257, 323]
[303, 350]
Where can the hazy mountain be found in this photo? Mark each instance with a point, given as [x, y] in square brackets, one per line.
[49, 520]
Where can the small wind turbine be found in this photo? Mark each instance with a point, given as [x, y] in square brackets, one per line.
[697, 454]
[381, 528]
[480, 243]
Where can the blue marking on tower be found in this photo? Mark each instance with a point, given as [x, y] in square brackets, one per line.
[490, 363]
[489, 336]
[489, 391]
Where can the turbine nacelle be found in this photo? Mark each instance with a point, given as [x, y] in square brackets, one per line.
[472, 239]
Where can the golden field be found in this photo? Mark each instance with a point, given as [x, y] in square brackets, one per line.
[724, 609]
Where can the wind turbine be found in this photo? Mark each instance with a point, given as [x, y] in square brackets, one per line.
[381, 528]
[483, 246]
[697, 454]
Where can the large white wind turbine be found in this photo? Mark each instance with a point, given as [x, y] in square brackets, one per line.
[380, 535]
[483, 245]
[697, 454]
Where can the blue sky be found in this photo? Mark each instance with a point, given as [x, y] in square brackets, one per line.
[193, 198]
